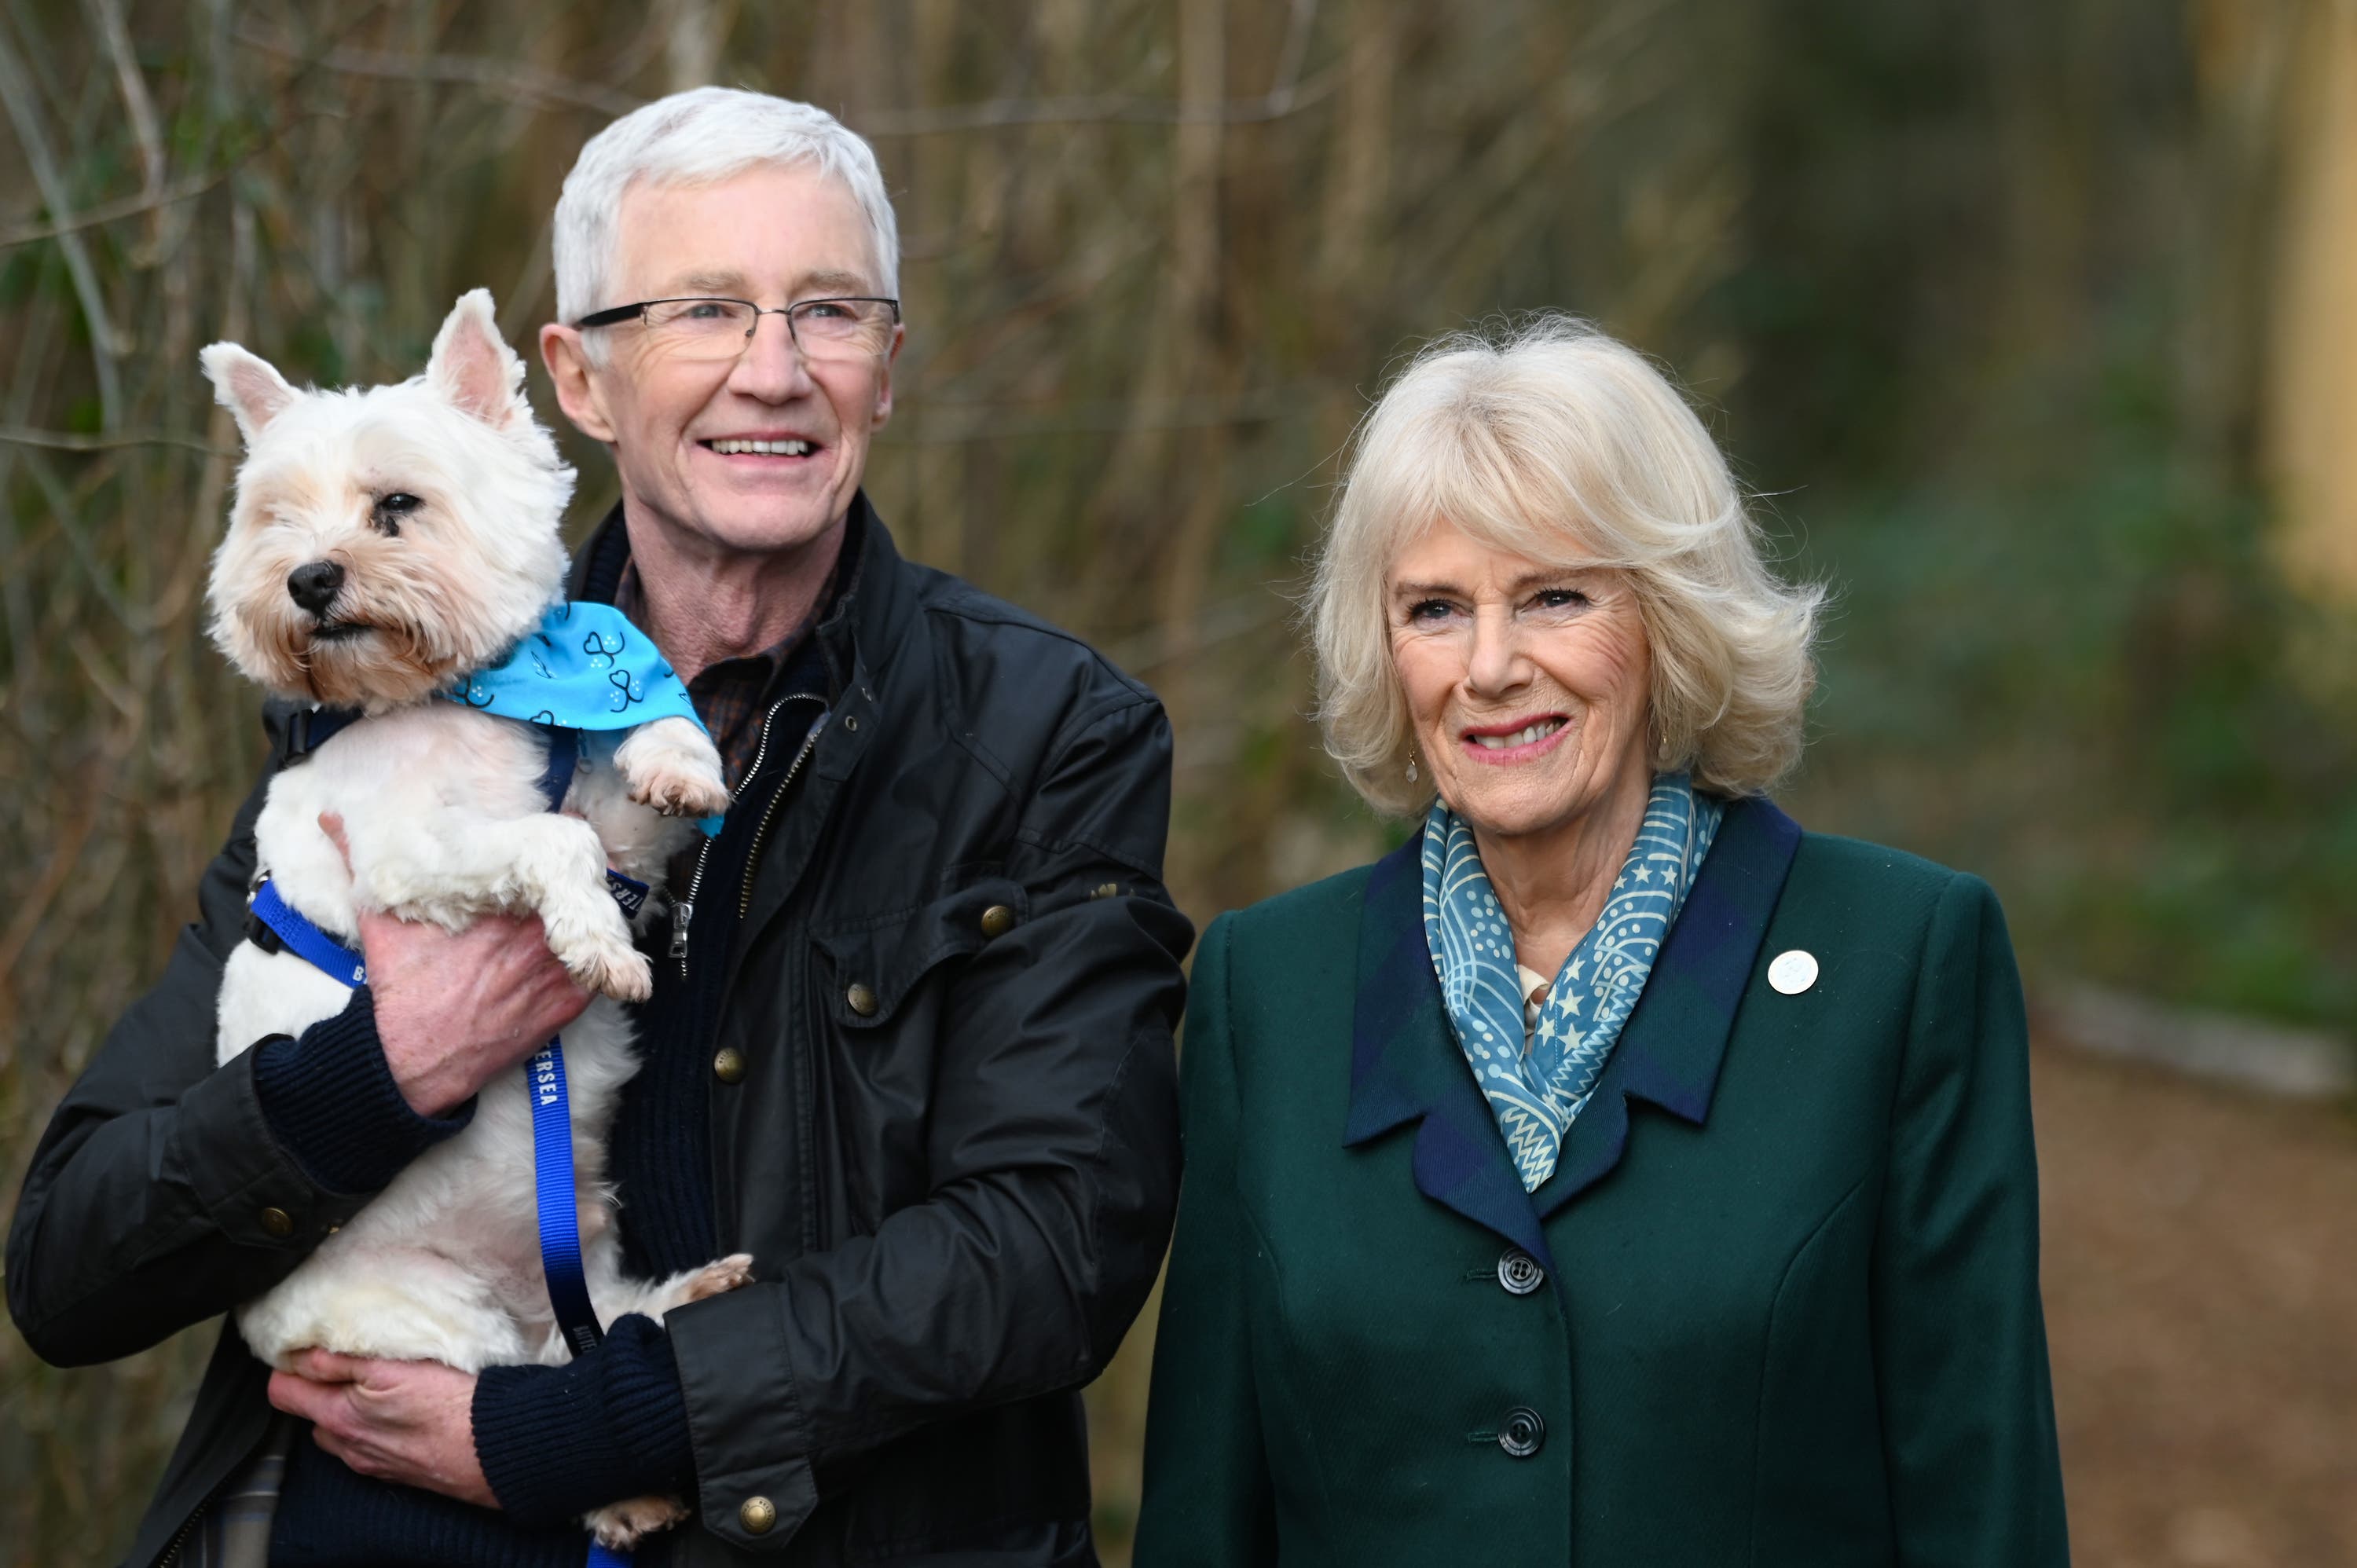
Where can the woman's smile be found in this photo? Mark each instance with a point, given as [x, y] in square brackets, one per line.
[1514, 741]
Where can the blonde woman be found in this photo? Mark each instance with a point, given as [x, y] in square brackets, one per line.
[1616, 1174]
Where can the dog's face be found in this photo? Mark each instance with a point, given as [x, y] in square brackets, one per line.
[386, 539]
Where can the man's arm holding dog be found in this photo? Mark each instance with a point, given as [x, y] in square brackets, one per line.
[167, 1189]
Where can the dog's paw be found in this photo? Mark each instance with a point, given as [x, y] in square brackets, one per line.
[671, 765]
[620, 1526]
[677, 788]
[612, 969]
[719, 1278]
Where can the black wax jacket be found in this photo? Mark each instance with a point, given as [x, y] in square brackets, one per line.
[950, 974]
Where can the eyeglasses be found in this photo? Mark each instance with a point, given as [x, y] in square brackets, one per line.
[705, 328]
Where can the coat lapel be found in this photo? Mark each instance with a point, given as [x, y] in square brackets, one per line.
[1670, 1051]
[1406, 1064]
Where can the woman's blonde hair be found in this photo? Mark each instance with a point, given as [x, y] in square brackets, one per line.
[1559, 443]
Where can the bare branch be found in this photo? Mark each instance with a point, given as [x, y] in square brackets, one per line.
[68, 441]
[16, 92]
[509, 79]
[1297, 28]
[528, 84]
[937, 422]
[996, 113]
[137, 106]
[113, 212]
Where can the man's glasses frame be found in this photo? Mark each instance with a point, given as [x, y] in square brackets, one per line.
[614, 315]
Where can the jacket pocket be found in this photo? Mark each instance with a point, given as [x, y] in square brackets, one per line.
[872, 967]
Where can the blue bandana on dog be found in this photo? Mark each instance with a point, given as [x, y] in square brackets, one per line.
[587, 668]
[1535, 1088]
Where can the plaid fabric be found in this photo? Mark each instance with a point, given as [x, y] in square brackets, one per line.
[234, 1533]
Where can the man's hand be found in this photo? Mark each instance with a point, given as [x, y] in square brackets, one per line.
[410, 1422]
[455, 1012]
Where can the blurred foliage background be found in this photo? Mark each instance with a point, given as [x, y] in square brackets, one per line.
[2030, 321]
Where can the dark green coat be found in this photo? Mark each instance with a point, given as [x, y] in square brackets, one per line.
[1789, 1312]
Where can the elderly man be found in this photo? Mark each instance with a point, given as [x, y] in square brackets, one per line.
[910, 1044]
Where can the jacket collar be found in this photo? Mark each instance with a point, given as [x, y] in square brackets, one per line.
[1406, 1064]
[872, 605]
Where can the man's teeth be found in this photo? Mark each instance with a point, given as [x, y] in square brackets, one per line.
[766, 448]
[1538, 731]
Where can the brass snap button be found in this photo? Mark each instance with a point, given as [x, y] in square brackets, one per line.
[756, 1515]
[728, 1067]
[862, 1000]
[278, 1222]
[1104, 890]
[997, 920]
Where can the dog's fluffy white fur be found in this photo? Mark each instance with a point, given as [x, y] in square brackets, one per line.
[444, 820]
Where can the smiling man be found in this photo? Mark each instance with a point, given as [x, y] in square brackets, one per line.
[910, 1044]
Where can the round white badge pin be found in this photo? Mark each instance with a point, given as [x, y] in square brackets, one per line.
[1793, 971]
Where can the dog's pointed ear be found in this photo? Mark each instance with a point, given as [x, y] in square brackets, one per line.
[247, 385]
[473, 366]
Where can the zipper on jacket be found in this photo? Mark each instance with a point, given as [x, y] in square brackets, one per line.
[770, 813]
[180, 1536]
[188, 1525]
[683, 911]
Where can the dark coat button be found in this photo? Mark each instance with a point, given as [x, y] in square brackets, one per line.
[728, 1067]
[277, 1222]
[862, 1000]
[997, 920]
[1519, 1272]
[1522, 1432]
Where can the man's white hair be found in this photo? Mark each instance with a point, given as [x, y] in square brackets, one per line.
[696, 138]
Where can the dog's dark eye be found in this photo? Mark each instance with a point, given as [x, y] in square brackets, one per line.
[389, 510]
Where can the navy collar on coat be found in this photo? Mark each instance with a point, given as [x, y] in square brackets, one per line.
[1406, 1064]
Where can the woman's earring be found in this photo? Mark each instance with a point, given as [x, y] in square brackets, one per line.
[1411, 765]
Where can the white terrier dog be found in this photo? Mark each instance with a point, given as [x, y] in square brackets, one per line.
[385, 543]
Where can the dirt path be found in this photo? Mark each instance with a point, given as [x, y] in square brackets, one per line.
[2201, 1278]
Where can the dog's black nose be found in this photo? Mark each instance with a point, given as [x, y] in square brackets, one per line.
[314, 585]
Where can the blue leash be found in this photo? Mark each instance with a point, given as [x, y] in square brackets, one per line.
[551, 1174]
[551, 1125]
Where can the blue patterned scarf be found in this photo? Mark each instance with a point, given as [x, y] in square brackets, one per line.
[1535, 1093]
